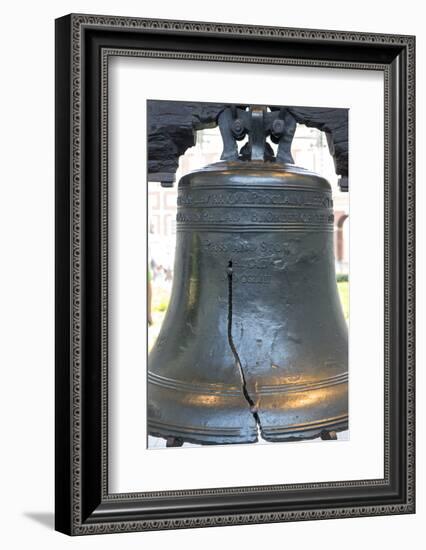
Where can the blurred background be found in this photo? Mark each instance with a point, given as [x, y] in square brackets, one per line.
[309, 150]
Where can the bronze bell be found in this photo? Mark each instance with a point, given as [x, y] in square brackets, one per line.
[254, 342]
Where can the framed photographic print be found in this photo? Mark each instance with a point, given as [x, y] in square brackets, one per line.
[234, 274]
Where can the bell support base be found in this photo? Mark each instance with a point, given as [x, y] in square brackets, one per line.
[174, 442]
[329, 435]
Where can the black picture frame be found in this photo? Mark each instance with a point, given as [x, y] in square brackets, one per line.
[83, 45]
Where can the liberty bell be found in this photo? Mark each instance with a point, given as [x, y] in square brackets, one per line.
[254, 343]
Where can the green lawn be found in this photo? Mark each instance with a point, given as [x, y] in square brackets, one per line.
[344, 297]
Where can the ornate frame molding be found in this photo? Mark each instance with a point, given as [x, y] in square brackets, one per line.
[83, 503]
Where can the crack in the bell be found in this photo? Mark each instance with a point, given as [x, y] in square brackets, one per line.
[247, 397]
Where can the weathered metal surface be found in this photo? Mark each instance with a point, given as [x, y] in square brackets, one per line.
[254, 340]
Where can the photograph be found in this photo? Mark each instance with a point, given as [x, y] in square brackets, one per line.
[248, 273]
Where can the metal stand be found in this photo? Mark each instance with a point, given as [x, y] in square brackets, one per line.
[174, 442]
[327, 436]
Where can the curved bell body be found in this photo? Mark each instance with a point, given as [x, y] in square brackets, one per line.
[254, 341]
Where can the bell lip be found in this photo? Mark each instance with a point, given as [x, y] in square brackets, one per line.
[274, 171]
[282, 434]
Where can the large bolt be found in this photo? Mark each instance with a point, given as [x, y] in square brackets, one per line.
[278, 127]
[237, 129]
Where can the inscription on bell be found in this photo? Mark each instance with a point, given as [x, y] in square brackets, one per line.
[253, 279]
[252, 199]
[232, 246]
[208, 217]
[272, 216]
[280, 216]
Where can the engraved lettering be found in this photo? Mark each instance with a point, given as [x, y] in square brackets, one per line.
[285, 198]
[253, 279]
